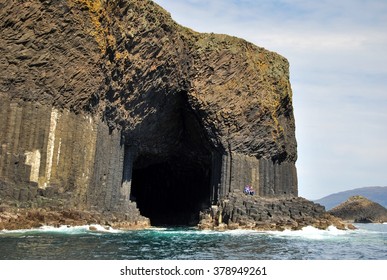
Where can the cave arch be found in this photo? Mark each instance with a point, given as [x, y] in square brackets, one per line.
[174, 178]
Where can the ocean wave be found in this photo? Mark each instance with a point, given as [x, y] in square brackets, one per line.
[157, 229]
[180, 231]
[310, 232]
[64, 229]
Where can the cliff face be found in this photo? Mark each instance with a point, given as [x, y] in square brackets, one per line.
[107, 103]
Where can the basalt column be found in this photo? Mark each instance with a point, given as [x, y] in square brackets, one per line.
[268, 178]
[107, 103]
[48, 154]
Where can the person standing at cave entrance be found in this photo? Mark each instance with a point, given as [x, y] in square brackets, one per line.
[248, 190]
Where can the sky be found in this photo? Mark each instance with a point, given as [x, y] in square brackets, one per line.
[337, 52]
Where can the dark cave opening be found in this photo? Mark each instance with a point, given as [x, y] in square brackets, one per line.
[173, 174]
[171, 193]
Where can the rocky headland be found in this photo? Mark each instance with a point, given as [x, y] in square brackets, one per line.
[358, 209]
[110, 112]
[239, 211]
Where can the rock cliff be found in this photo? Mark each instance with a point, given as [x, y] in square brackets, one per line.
[359, 209]
[111, 106]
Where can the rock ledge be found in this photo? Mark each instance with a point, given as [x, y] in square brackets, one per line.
[241, 211]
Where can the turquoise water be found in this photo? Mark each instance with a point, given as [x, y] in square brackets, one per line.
[368, 242]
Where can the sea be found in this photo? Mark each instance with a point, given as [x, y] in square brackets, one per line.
[367, 242]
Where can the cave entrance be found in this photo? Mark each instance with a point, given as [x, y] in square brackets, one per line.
[174, 174]
[171, 192]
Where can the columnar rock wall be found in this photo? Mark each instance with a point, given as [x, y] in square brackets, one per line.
[57, 149]
[97, 94]
[269, 179]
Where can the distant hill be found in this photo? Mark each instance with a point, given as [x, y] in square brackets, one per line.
[376, 194]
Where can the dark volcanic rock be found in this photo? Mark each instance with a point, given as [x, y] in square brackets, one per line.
[242, 211]
[128, 62]
[110, 105]
[359, 209]
[12, 219]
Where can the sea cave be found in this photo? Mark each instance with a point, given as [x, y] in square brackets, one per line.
[172, 185]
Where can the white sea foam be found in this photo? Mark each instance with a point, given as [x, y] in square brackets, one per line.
[181, 231]
[241, 231]
[157, 229]
[64, 229]
[310, 232]
[99, 228]
[41, 229]
[306, 232]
